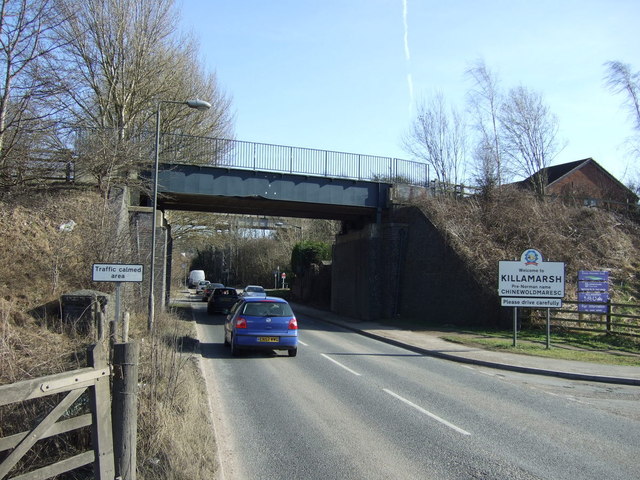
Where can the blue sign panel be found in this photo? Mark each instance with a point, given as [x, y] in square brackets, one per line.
[584, 286]
[600, 299]
[593, 276]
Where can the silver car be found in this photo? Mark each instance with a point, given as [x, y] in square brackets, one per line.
[201, 286]
[254, 291]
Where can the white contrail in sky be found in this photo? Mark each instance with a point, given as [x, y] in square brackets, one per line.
[407, 53]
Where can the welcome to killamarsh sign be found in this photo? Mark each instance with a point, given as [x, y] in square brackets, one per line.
[530, 278]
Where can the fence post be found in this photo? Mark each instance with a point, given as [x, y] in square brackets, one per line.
[113, 333]
[100, 402]
[125, 327]
[290, 159]
[608, 317]
[548, 328]
[326, 163]
[125, 425]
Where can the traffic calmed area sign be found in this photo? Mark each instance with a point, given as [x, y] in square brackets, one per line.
[117, 272]
[531, 281]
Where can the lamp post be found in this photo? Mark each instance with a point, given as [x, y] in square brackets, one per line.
[199, 105]
[184, 267]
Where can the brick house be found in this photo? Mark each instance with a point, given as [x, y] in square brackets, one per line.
[586, 181]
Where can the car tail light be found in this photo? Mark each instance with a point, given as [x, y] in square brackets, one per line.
[293, 324]
[241, 322]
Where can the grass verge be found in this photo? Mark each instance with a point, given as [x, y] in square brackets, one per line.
[597, 348]
[175, 433]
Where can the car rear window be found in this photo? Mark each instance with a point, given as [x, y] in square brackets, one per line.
[225, 291]
[267, 309]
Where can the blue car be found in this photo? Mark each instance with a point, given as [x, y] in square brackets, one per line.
[261, 323]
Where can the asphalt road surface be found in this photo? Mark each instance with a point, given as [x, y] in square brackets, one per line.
[349, 407]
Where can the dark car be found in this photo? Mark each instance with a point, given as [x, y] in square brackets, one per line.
[259, 323]
[208, 289]
[221, 300]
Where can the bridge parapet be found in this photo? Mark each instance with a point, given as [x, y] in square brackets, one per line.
[264, 157]
[308, 161]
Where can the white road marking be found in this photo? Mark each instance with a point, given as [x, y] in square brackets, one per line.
[302, 343]
[340, 365]
[426, 412]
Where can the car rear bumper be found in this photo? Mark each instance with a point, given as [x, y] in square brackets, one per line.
[285, 342]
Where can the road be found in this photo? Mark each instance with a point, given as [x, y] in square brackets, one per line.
[349, 407]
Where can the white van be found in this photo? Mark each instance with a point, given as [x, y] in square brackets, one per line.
[195, 276]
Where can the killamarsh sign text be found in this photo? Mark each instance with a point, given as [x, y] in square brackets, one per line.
[531, 277]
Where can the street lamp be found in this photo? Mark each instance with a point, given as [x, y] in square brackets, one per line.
[198, 105]
[184, 267]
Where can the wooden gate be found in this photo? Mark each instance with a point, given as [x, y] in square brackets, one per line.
[93, 379]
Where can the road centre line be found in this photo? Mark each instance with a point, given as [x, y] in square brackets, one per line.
[340, 365]
[302, 343]
[426, 412]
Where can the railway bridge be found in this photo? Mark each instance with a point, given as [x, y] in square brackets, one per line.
[388, 259]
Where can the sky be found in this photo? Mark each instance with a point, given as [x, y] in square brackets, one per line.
[346, 75]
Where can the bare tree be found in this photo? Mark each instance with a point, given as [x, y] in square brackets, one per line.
[121, 58]
[438, 137]
[529, 131]
[621, 80]
[484, 100]
[25, 85]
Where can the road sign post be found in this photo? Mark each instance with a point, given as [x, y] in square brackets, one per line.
[531, 282]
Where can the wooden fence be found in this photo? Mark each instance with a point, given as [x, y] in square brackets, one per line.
[617, 318]
[94, 380]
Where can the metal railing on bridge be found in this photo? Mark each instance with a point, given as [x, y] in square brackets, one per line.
[219, 152]
[286, 159]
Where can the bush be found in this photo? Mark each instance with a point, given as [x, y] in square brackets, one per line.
[309, 253]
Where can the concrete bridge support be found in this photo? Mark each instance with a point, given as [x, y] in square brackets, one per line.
[404, 267]
[355, 282]
[366, 271]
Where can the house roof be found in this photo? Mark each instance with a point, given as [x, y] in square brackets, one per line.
[557, 172]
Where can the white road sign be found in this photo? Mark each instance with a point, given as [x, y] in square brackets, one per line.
[531, 277]
[532, 302]
[117, 272]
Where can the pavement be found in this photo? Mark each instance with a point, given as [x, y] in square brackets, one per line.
[430, 343]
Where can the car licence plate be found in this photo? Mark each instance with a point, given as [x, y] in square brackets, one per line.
[269, 339]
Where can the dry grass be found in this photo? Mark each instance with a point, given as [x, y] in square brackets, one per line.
[38, 259]
[38, 263]
[175, 433]
[28, 349]
[483, 232]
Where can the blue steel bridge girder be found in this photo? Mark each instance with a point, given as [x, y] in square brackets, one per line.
[225, 190]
